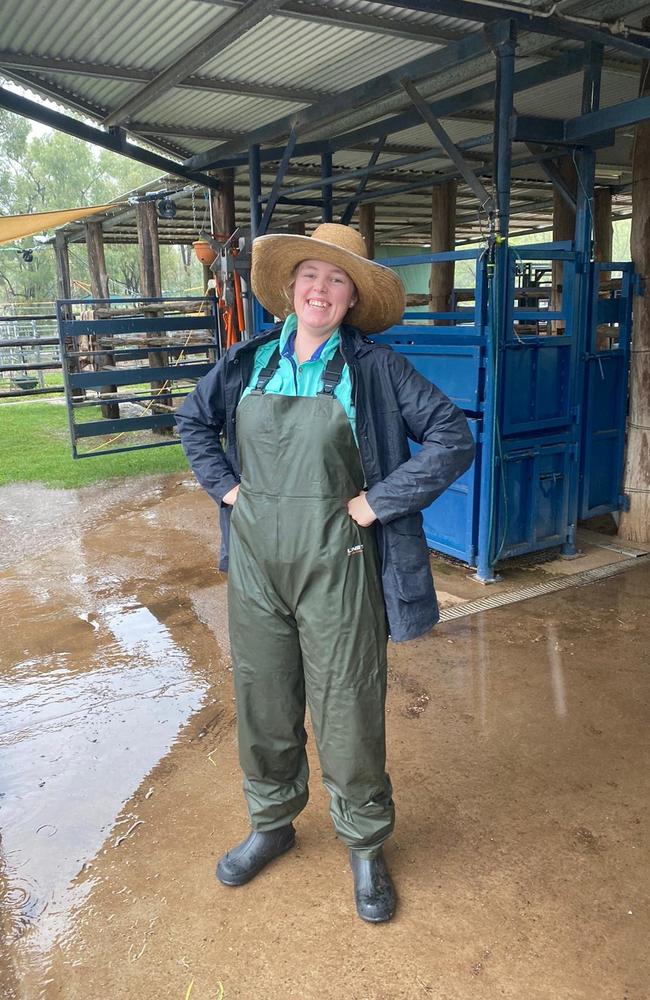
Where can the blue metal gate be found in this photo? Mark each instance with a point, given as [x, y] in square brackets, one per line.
[137, 354]
[606, 365]
[550, 424]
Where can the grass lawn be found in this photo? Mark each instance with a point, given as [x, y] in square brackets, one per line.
[35, 447]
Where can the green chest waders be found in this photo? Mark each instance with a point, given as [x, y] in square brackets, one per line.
[306, 616]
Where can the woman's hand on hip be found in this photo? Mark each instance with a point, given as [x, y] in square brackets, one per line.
[360, 511]
[231, 496]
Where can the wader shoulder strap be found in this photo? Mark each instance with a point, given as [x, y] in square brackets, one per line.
[332, 374]
[267, 373]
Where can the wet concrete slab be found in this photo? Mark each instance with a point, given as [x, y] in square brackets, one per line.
[518, 749]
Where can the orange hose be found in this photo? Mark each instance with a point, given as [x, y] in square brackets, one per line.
[239, 302]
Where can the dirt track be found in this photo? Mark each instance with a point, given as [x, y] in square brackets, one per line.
[517, 748]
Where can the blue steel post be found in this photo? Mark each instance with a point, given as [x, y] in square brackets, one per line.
[255, 182]
[326, 171]
[251, 314]
[498, 298]
[585, 162]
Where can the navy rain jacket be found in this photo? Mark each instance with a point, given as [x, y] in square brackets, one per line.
[393, 403]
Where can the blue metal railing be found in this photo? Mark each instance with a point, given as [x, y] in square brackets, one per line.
[102, 354]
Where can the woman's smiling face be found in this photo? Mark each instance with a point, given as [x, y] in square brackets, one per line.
[322, 295]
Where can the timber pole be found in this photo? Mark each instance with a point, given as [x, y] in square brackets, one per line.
[443, 238]
[564, 225]
[99, 289]
[367, 226]
[603, 240]
[223, 204]
[634, 524]
[64, 291]
[151, 287]
[603, 230]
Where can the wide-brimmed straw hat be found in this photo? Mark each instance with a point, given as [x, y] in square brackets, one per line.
[381, 299]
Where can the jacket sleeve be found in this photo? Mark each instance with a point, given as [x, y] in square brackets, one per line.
[200, 420]
[447, 447]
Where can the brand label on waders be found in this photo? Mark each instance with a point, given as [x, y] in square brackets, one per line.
[355, 550]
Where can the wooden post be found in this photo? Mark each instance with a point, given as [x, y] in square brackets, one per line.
[297, 228]
[603, 239]
[443, 238]
[603, 231]
[63, 284]
[150, 285]
[634, 524]
[147, 223]
[564, 226]
[367, 226]
[223, 204]
[64, 291]
[99, 289]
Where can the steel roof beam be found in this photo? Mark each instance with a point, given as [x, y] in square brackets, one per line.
[601, 10]
[592, 125]
[381, 170]
[52, 91]
[170, 129]
[350, 208]
[438, 82]
[302, 10]
[445, 107]
[551, 170]
[568, 64]
[272, 199]
[453, 152]
[595, 128]
[40, 64]
[115, 141]
[634, 44]
[246, 18]
[364, 94]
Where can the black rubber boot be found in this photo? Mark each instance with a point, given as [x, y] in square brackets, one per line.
[243, 862]
[374, 892]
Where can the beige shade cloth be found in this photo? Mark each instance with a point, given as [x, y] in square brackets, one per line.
[13, 227]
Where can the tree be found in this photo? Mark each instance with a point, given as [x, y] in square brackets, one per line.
[49, 171]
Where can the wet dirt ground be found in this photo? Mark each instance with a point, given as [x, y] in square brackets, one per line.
[518, 750]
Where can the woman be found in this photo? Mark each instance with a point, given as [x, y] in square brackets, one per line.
[326, 549]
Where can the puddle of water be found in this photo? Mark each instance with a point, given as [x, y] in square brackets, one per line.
[35, 519]
[92, 701]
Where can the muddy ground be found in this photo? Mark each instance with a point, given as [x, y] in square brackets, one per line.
[518, 749]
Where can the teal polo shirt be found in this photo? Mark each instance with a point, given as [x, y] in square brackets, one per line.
[306, 379]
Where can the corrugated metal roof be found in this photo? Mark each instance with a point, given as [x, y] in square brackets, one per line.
[133, 33]
[323, 57]
[228, 111]
[299, 48]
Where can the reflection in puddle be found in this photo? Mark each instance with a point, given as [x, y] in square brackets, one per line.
[81, 726]
[556, 670]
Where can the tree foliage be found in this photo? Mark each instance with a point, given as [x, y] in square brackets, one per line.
[46, 170]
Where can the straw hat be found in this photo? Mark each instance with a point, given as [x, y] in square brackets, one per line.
[381, 300]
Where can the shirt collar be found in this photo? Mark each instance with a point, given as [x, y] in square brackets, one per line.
[324, 351]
